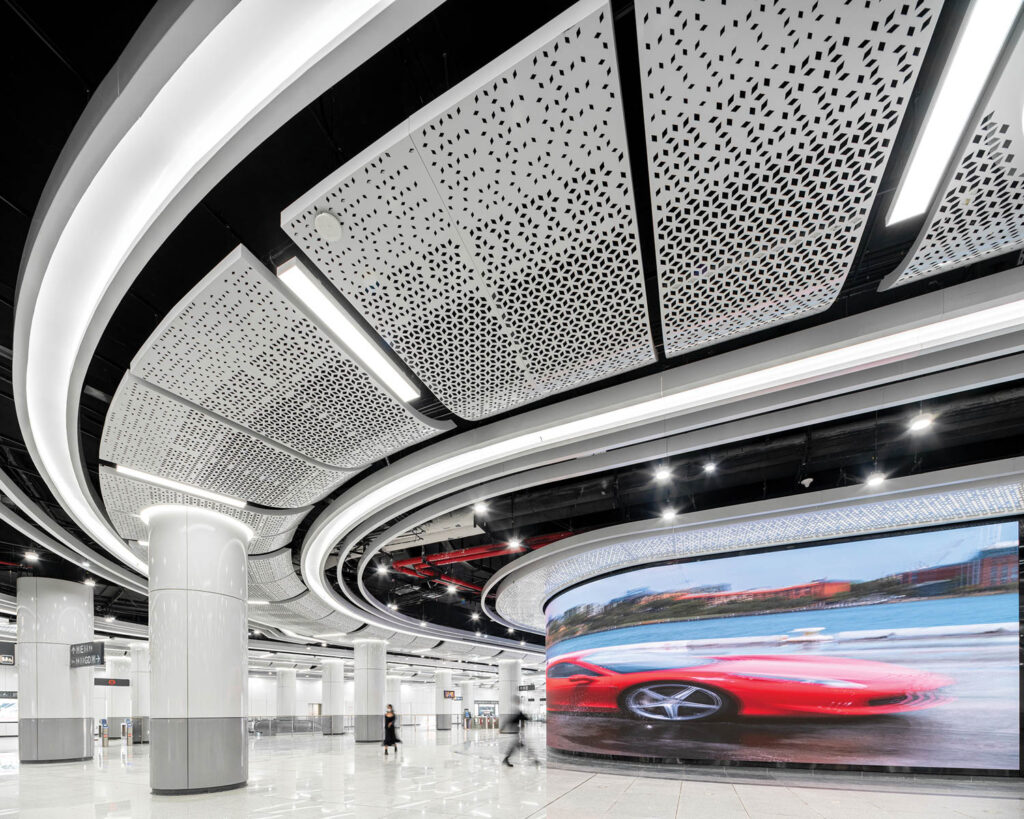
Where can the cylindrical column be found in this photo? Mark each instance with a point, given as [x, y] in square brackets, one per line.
[442, 704]
[333, 697]
[54, 700]
[198, 643]
[138, 679]
[393, 694]
[371, 666]
[509, 675]
[285, 698]
[119, 698]
[469, 698]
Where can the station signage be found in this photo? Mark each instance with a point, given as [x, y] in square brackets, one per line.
[8, 695]
[87, 654]
[449, 695]
[119, 682]
[6, 653]
[528, 687]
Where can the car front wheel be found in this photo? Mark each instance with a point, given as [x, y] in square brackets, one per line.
[675, 702]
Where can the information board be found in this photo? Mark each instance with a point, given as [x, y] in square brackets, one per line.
[85, 654]
[6, 653]
[449, 695]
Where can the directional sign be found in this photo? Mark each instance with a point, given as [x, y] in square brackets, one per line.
[6, 653]
[85, 654]
[121, 683]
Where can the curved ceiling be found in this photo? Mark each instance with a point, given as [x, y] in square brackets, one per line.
[614, 224]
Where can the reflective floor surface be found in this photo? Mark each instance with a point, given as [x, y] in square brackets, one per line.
[461, 775]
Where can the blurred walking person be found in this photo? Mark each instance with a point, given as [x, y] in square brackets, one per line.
[391, 739]
[512, 726]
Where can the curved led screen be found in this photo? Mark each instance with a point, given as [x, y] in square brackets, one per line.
[898, 651]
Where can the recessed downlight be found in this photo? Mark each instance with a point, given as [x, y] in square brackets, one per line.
[662, 474]
[919, 423]
[327, 226]
[875, 479]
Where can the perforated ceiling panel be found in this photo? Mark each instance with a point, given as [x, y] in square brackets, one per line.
[273, 577]
[769, 126]
[520, 599]
[492, 239]
[981, 210]
[238, 348]
[157, 434]
[130, 496]
[261, 545]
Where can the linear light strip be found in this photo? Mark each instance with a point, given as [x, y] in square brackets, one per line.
[308, 290]
[982, 38]
[175, 486]
[873, 352]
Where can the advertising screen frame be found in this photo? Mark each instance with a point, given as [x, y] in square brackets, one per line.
[944, 771]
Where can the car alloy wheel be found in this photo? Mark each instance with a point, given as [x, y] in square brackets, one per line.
[674, 702]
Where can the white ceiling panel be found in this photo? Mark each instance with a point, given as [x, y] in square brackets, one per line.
[237, 347]
[155, 433]
[491, 240]
[981, 210]
[768, 128]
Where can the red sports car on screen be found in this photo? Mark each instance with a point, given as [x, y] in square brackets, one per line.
[662, 683]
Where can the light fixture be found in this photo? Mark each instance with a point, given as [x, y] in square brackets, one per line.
[921, 422]
[85, 564]
[522, 642]
[89, 581]
[259, 602]
[662, 474]
[474, 616]
[479, 634]
[423, 623]
[668, 514]
[256, 632]
[875, 479]
[981, 39]
[710, 467]
[327, 225]
[32, 557]
[393, 606]
[324, 645]
[382, 569]
[110, 618]
[515, 543]
[312, 294]
[480, 508]
[452, 588]
[167, 483]
[142, 542]
[511, 630]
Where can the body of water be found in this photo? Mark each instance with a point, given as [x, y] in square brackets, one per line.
[950, 611]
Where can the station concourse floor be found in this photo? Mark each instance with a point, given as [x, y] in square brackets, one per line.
[460, 775]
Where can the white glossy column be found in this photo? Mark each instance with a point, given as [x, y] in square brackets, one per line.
[509, 675]
[333, 697]
[393, 693]
[198, 647]
[55, 721]
[468, 698]
[285, 698]
[442, 706]
[371, 668]
[139, 680]
[119, 698]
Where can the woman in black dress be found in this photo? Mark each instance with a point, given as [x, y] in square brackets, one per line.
[390, 737]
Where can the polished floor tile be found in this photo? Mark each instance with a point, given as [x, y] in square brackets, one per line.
[461, 775]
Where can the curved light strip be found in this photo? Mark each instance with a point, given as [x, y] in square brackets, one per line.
[861, 355]
[253, 54]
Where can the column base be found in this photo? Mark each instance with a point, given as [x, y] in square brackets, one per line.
[369, 728]
[140, 730]
[55, 740]
[198, 755]
[182, 791]
[334, 724]
[443, 722]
